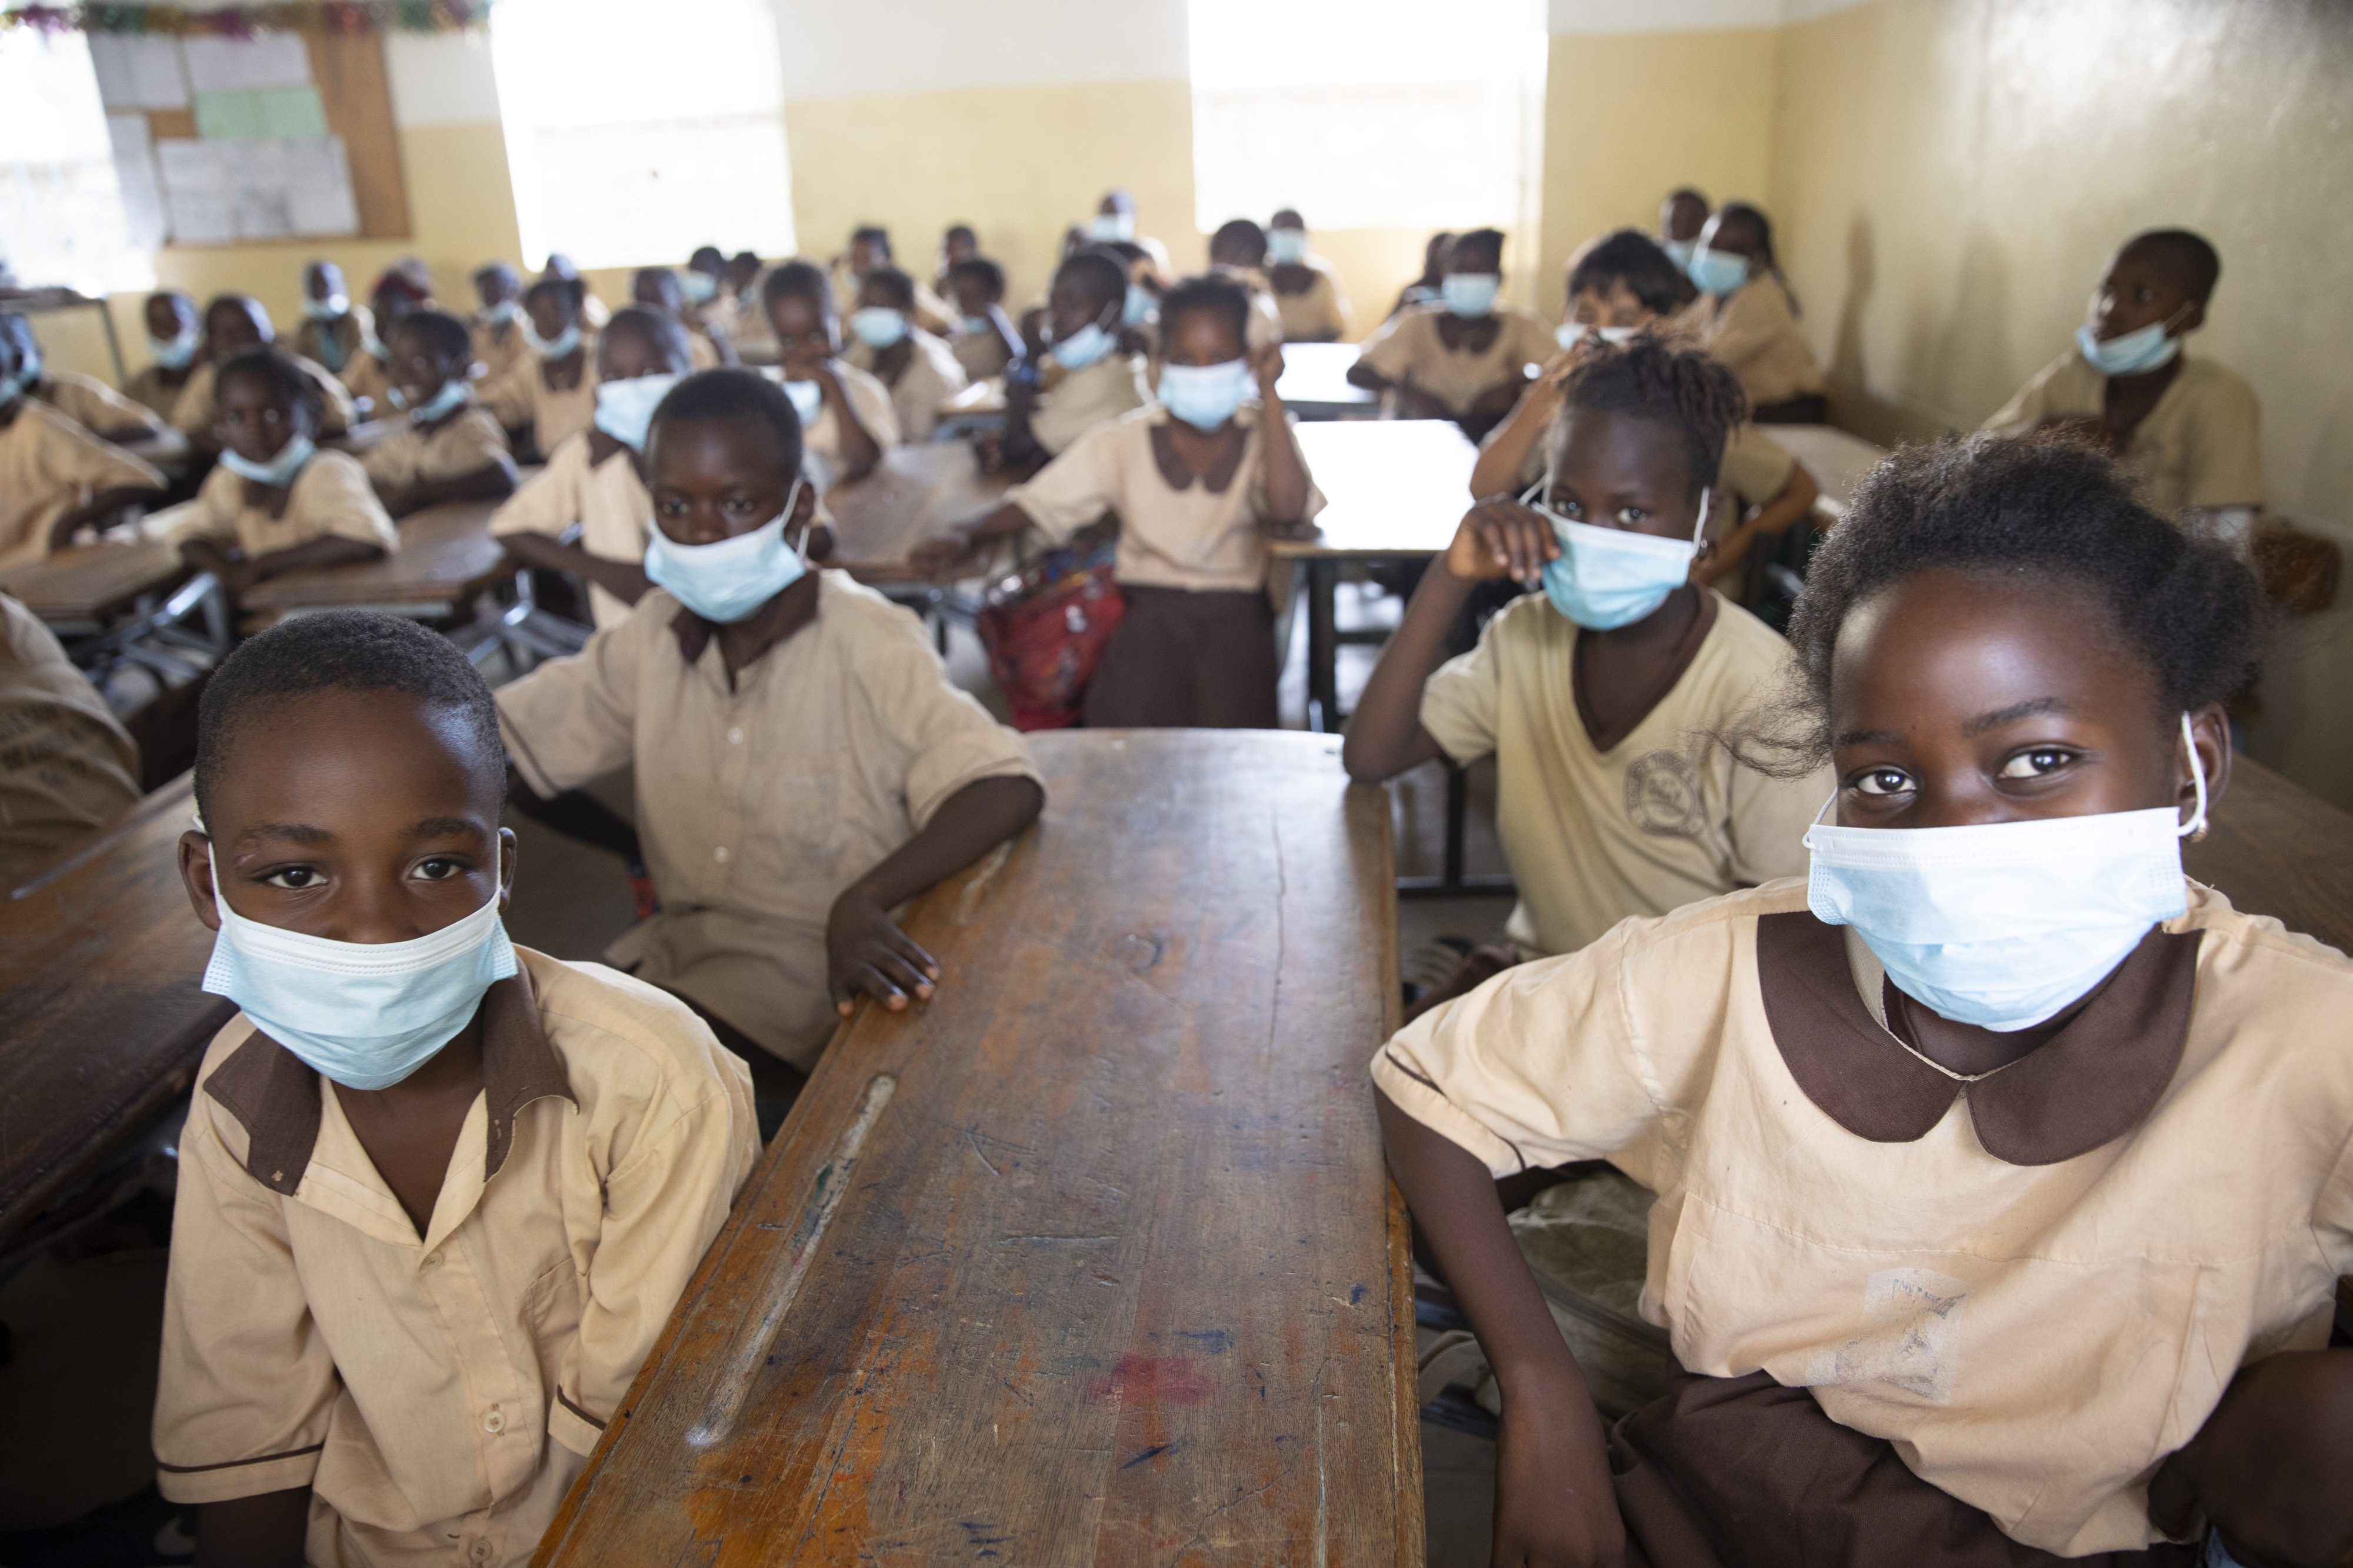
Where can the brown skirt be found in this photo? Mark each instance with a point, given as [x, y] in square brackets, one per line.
[1743, 1473]
[1186, 660]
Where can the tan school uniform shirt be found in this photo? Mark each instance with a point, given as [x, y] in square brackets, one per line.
[1070, 406]
[194, 412]
[1194, 538]
[523, 398]
[933, 313]
[1408, 344]
[370, 382]
[1599, 828]
[337, 342]
[464, 443]
[982, 354]
[821, 441]
[98, 408]
[499, 347]
[1318, 312]
[439, 1392]
[152, 388]
[331, 496]
[606, 500]
[2201, 448]
[1754, 331]
[49, 465]
[763, 803]
[933, 376]
[66, 765]
[2037, 1284]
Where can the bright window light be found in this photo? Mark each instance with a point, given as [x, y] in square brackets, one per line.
[62, 218]
[635, 134]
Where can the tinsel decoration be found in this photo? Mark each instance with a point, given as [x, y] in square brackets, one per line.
[245, 21]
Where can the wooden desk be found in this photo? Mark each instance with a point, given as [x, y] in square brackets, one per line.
[1098, 1251]
[447, 557]
[83, 588]
[1314, 383]
[1836, 459]
[168, 449]
[100, 961]
[2275, 850]
[912, 495]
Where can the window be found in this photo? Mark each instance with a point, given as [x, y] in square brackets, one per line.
[637, 133]
[1380, 114]
[61, 217]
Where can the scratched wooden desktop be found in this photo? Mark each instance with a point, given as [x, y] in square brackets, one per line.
[1094, 1261]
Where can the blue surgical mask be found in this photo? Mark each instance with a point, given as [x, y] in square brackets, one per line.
[878, 326]
[2004, 925]
[1286, 246]
[1140, 306]
[22, 380]
[556, 347]
[1469, 295]
[1717, 271]
[281, 469]
[726, 581]
[364, 1014]
[1082, 348]
[2129, 353]
[1571, 333]
[1205, 395]
[808, 399]
[175, 354]
[625, 409]
[441, 405]
[977, 324]
[1605, 578]
[701, 287]
[1680, 252]
[1111, 228]
[500, 314]
[333, 307]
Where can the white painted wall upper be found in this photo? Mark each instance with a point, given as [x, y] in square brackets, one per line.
[891, 47]
[1591, 18]
[440, 79]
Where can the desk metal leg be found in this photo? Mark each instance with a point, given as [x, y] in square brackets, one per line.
[1453, 884]
[1322, 645]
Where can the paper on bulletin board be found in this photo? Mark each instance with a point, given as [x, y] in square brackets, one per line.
[236, 65]
[231, 116]
[195, 192]
[320, 198]
[259, 174]
[136, 71]
[134, 172]
[254, 114]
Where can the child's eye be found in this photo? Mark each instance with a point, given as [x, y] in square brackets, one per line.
[2035, 764]
[295, 877]
[1881, 782]
[1632, 516]
[439, 869]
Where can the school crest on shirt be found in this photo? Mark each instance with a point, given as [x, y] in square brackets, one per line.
[1662, 796]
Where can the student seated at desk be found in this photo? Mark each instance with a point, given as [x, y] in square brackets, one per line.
[870, 248]
[175, 331]
[1424, 290]
[91, 403]
[1082, 378]
[846, 419]
[56, 478]
[1307, 292]
[1465, 358]
[658, 289]
[1238, 250]
[334, 331]
[1114, 223]
[405, 289]
[2188, 430]
[234, 323]
[593, 311]
[448, 447]
[551, 395]
[1962, 1239]
[1590, 694]
[989, 341]
[1747, 317]
[498, 341]
[959, 242]
[438, 1193]
[704, 284]
[1198, 482]
[592, 481]
[1681, 219]
[276, 502]
[920, 369]
[66, 765]
[803, 762]
[748, 324]
[1619, 285]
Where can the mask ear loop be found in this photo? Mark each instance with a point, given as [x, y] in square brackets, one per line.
[2195, 828]
[1699, 534]
[792, 499]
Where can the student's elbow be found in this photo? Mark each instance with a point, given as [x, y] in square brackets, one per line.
[1363, 375]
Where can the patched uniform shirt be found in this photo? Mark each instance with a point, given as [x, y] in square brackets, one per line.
[2202, 446]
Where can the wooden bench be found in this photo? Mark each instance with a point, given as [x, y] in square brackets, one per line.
[1097, 1251]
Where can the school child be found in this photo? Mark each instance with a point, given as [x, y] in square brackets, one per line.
[438, 1193]
[1083, 377]
[847, 420]
[1961, 1238]
[56, 478]
[1238, 250]
[2188, 430]
[1424, 290]
[870, 247]
[175, 331]
[658, 289]
[1199, 481]
[1115, 223]
[988, 341]
[592, 481]
[1307, 290]
[1747, 317]
[803, 762]
[1681, 217]
[499, 342]
[959, 243]
[1464, 358]
[89, 402]
[593, 313]
[920, 369]
[550, 395]
[333, 331]
[1590, 694]
[448, 447]
[66, 765]
[277, 502]
[1621, 284]
[405, 289]
[234, 324]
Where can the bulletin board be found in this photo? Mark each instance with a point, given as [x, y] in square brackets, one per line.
[278, 136]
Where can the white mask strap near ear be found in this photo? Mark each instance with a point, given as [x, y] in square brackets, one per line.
[1699, 534]
[2195, 828]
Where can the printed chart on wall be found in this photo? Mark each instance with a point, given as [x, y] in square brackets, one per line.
[263, 163]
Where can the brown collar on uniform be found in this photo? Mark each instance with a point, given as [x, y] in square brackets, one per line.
[2089, 1084]
[771, 624]
[275, 1094]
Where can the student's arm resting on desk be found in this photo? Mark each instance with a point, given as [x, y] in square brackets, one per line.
[1775, 518]
[238, 571]
[495, 480]
[1065, 496]
[100, 507]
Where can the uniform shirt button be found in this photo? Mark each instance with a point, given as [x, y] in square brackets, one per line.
[481, 1552]
[494, 1421]
[735, 737]
[433, 1259]
[720, 854]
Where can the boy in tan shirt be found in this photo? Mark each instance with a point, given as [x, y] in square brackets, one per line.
[1082, 378]
[446, 447]
[499, 343]
[66, 765]
[437, 1195]
[1466, 356]
[550, 394]
[234, 324]
[56, 478]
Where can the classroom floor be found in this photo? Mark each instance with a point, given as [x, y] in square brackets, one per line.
[75, 1482]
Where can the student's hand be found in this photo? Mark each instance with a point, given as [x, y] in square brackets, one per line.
[1555, 1506]
[866, 951]
[2269, 1466]
[940, 556]
[1266, 363]
[1501, 538]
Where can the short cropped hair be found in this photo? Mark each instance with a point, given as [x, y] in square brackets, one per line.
[733, 393]
[245, 305]
[896, 286]
[1099, 274]
[284, 378]
[873, 234]
[703, 253]
[1207, 292]
[2187, 255]
[504, 271]
[1490, 239]
[665, 332]
[804, 279]
[983, 271]
[1238, 233]
[340, 651]
[1628, 255]
[439, 331]
[570, 289]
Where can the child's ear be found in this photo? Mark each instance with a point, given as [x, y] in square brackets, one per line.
[2209, 737]
[2192, 319]
[805, 504]
[509, 848]
[196, 876]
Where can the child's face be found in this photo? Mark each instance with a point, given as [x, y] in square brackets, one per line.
[657, 286]
[714, 478]
[972, 296]
[1201, 337]
[1612, 470]
[865, 255]
[1683, 217]
[254, 420]
[495, 289]
[550, 310]
[1957, 698]
[322, 280]
[871, 295]
[2137, 291]
[627, 352]
[1616, 306]
[1737, 237]
[740, 273]
[390, 305]
[807, 335]
[1475, 259]
[165, 316]
[419, 369]
[359, 817]
[961, 245]
[1072, 305]
[234, 326]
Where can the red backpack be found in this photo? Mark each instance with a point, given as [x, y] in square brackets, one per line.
[1044, 628]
